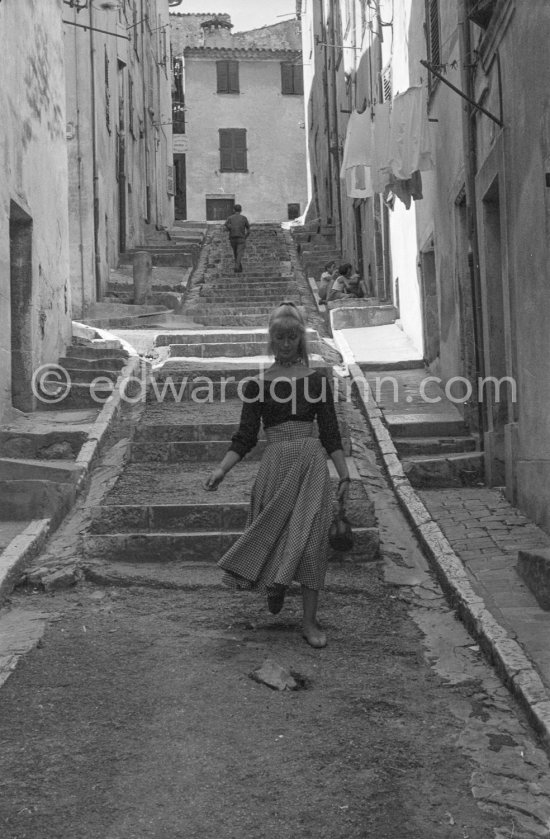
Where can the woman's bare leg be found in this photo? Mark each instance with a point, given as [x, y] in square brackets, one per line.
[312, 633]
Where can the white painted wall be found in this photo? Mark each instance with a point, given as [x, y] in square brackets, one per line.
[276, 173]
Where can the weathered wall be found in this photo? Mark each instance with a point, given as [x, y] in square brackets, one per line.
[526, 88]
[275, 138]
[33, 176]
[120, 142]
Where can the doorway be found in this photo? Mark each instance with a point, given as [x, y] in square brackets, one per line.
[180, 187]
[22, 396]
[218, 209]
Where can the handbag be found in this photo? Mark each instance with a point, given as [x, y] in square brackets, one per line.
[340, 535]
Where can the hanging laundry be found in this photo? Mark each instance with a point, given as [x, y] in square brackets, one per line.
[406, 190]
[409, 146]
[358, 182]
[380, 166]
[358, 143]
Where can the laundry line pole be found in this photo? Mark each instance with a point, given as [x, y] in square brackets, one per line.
[472, 102]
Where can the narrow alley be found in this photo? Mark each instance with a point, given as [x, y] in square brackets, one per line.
[133, 712]
[274, 455]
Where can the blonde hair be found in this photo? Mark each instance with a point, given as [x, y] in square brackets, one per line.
[288, 316]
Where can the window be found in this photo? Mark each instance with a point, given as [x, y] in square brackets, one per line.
[233, 150]
[228, 76]
[292, 79]
[293, 211]
[433, 40]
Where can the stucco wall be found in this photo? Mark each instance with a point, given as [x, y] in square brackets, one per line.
[526, 87]
[147, 140]
[276, 141]
[33, 175]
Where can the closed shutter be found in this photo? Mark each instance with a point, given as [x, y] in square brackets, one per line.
[233, 156]
[233, 73]
[223, 76]
[239, 150]
[435, 52]
[226, 150]
[228, 76]
[286, 78]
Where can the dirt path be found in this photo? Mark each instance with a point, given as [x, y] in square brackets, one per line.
[136, 719]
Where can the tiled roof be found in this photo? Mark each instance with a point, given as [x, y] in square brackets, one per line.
[238, 52]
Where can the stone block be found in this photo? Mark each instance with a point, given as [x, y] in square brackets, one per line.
[534, 569]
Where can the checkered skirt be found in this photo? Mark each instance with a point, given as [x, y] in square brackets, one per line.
[286, 536]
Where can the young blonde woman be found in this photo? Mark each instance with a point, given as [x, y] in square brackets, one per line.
[286, 537]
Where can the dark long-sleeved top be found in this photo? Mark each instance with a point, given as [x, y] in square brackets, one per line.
[237, 225]
[274, 403]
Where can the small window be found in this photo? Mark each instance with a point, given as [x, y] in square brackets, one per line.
[293, 211]
[107, 94]
[292, 79]
[233, 151]
[228, 76]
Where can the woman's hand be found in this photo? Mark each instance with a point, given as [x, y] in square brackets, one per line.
[214, 479]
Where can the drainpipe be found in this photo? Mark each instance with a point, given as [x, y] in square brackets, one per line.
[336, 149]
[94, 159]
[470, 165]
[79, 163]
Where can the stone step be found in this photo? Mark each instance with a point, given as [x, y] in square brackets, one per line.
[93, 353]
[83, 363]
[456, 470]
[36, 499]
[229, 350]
[200, 546]
[207, 451]
[56, 471]
[426, 425]
[166, 258]
[78, 395]
[62, 444]
[80, 376]
[410, 446]
[222, 335]
[247, 300]
[205, 319]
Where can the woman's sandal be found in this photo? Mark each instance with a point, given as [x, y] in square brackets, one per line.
[276, 599]
[315, 637]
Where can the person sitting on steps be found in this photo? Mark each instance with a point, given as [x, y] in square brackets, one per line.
[346, 285]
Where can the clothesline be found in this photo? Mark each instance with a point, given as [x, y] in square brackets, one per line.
[387, 146]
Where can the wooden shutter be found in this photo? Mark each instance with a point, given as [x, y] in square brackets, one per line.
[239, 150]
[433, 32]
[286, 78]
[228, 76]
[226, 150]
[233, 156]
[233, 76]
[223, 76]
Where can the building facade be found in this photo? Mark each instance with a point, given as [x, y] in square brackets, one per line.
[119, 135]
[241, 137]
[468, 264]
[35, 293]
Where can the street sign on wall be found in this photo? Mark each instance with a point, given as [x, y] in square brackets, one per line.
[179, 143]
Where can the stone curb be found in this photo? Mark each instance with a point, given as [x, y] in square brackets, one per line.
[505, 654]
[27, 545]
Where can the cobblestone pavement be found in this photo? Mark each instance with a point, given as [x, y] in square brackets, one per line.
[487, 532]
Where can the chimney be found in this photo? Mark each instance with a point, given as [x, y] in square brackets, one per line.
[217, 31]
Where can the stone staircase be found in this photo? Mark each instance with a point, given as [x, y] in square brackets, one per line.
[432, 438]
[158, 512]
[219, 297]
[91, 372]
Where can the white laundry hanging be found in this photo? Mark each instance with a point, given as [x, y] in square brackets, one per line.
[409, 146]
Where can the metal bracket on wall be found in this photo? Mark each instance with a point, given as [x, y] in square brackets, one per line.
[472, 102]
